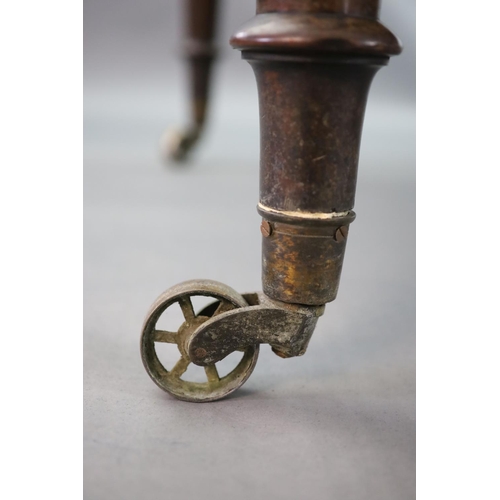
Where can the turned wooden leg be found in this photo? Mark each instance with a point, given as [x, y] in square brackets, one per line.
[314, 62]
[199, 52]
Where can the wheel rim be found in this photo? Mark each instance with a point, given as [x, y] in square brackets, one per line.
[170, 380]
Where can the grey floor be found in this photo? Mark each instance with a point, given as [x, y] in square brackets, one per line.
[337, 423]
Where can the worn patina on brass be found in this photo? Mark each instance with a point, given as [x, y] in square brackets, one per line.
[226, 299]
[314, 62]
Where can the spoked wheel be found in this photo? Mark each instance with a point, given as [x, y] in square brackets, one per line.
[170, 380]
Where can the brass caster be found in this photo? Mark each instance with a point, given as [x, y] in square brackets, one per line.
[176, 144]
[226, 299]
[314, 63]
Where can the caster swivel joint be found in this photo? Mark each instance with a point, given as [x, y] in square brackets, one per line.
[314, 63]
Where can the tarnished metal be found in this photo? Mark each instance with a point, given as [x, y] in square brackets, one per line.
[314, 62]
[302, 258]
[302, 264]
[286, 327]
[266, 228]
[171, 381]
[341, 234]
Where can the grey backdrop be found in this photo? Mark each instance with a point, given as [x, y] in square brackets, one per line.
[338, 422]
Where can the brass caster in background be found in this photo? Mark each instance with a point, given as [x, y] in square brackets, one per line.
[176, 144]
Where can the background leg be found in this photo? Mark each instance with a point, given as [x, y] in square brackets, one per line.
[199, 50]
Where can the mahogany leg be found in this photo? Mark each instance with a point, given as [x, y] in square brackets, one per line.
[314, 62]
[200, 52]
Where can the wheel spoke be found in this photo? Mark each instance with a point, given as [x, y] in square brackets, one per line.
[187, 308]
[223, 307]
[164, 336]
[180, 367]
[212, 374]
